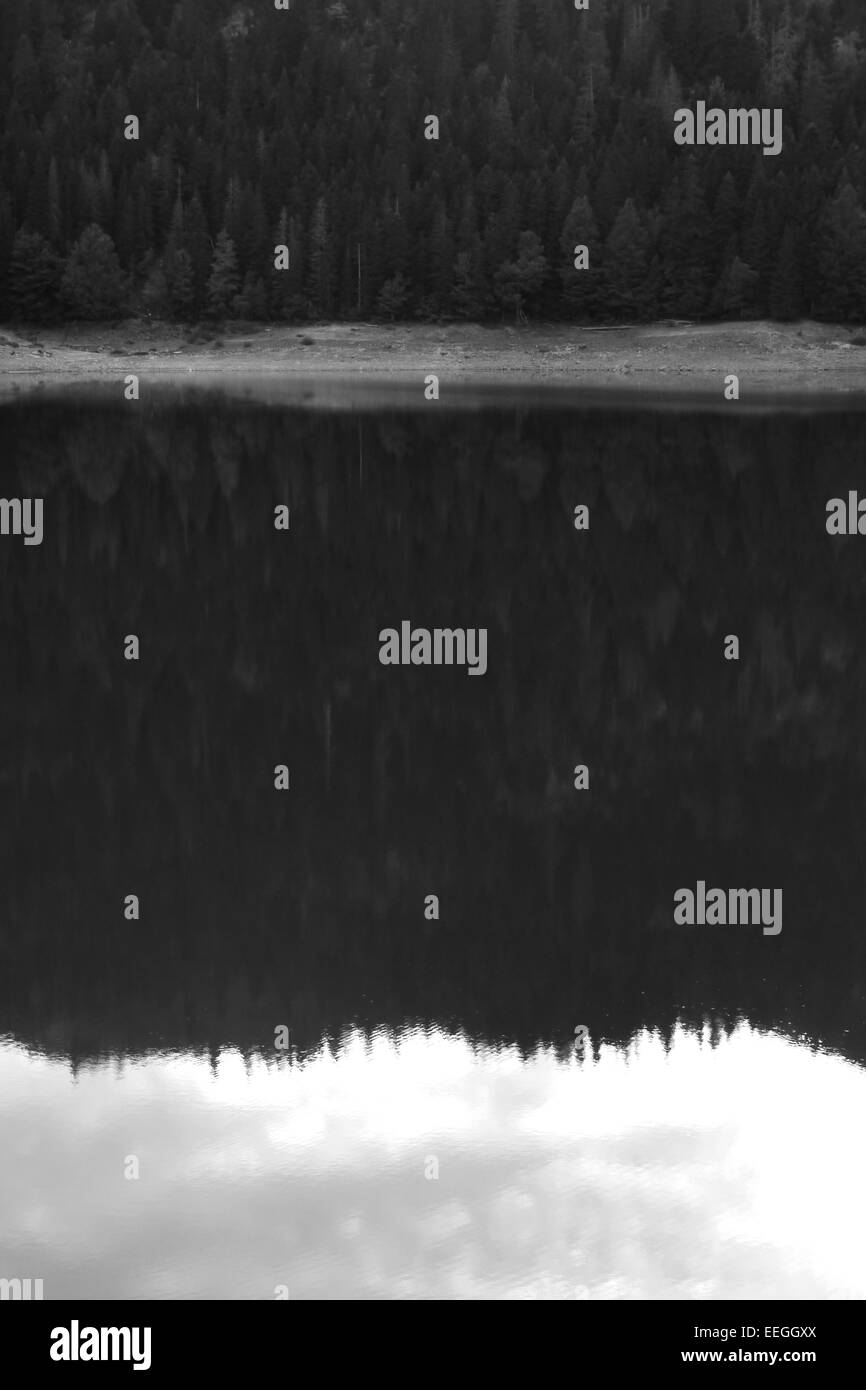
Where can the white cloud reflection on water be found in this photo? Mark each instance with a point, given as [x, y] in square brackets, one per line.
[726, 1172]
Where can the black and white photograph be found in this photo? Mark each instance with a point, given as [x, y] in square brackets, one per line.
[432, 667]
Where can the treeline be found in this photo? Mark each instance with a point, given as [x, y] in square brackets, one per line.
[305, 128]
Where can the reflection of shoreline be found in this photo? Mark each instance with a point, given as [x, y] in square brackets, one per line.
[777, 361]
[336, 389]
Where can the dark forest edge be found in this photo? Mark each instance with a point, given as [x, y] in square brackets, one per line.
[304, 129]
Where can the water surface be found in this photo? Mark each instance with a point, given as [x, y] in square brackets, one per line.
[709, 1143]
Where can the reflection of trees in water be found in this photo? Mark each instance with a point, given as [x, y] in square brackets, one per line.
[260, 647]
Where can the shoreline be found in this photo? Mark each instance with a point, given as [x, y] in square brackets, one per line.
[772, 361]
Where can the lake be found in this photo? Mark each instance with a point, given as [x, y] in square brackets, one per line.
[422, 1024]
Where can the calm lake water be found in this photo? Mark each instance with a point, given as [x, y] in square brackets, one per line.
[433, 1130]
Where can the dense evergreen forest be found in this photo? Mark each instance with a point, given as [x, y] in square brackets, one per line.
[305, 128]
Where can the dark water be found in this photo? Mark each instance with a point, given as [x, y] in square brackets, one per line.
[433, 1131]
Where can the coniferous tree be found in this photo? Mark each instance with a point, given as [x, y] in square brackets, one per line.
[155, 296]
[319, 281]
[626, 262]
[739, 287]
[518, 282]
[197, 244]
[688, 244]
[786, 301]
[223, 285]
[468, 296]
[181, 284]
[34, 274]
[93, 285]
[582, 290]
[843, 257]
[393, 296]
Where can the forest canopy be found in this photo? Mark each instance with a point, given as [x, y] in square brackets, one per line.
[305, 128]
